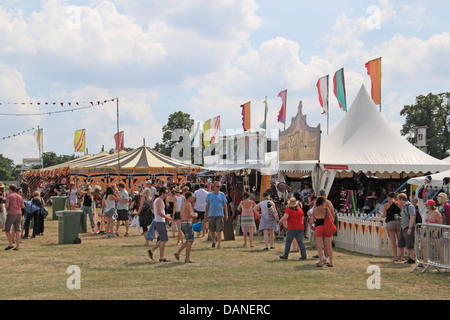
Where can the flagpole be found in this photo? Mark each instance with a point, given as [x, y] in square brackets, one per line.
[39, 147]
[118, 149]
[285, 111]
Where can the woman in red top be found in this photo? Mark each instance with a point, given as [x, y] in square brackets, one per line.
[295, 227]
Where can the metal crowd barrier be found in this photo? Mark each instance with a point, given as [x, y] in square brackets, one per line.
[432, 246]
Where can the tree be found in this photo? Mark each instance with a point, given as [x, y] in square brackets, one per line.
[432, 111]
[177, 120]
[51, 159]
[7, 172]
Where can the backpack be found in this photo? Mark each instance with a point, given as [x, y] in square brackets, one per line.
[418, 215]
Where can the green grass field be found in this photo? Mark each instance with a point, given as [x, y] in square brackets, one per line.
[119, 268]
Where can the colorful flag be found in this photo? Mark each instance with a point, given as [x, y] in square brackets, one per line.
[39, 136]
[374, 71]
[339, 89]
[194, 135]
[207, 133]
[79, 141]
[119, 140]
[282, 113]
[246, 116]
[322, 87]
[263, 125]
[215, 129]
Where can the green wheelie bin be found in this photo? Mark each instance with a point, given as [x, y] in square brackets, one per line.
[69, 223]
[59, 203]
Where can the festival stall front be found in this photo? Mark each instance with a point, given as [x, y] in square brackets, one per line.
[132, 168]
[366, 155]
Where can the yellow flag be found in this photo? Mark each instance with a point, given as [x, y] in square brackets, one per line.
[79, 141]
[207, 133]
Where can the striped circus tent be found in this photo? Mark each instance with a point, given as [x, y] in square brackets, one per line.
[142, 158]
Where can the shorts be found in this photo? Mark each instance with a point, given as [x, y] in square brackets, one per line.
[13, 220]
[188, 231]
[122, 214]
[73, 200]
[177, 216]
[319, 232]
[200, 215]
[405, 240]
[393, 226]
[161, 228]
[216, 223]
[110, 213]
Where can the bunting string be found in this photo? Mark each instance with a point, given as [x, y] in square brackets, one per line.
[17, 134]
[91, 105]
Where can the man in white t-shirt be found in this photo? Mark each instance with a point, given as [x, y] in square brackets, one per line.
[200, 196]
[122, 209]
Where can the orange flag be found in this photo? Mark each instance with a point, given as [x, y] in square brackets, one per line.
[246, 116]
[374, 71]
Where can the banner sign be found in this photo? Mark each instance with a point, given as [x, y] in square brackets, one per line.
[300, 141]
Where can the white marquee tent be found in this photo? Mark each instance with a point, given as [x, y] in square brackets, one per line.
[365, 142]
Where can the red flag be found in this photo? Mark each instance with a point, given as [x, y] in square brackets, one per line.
[374, 71]
[282, 114]
[118, 138]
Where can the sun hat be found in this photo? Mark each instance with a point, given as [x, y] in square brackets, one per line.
[177, 189]
[292, 202]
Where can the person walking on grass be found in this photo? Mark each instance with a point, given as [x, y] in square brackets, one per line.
[109, 203]
[145, 213]
[247, 217]
[199, 206]
[123, 204]
[160, 225]
[320, 212]
[295, 227]
[408, 222]
[186, 215]
[217, 209]
[14, 205]
[269, 219]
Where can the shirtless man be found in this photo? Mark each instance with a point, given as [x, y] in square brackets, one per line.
[187, 214]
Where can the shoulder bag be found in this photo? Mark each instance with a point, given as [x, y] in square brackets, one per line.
[329, 226]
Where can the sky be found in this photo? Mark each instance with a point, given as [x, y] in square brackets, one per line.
[205, 58]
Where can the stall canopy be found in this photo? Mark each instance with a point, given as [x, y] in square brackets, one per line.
[447, 159]
[438, 180]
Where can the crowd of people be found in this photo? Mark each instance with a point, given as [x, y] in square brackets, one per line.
[160, 208]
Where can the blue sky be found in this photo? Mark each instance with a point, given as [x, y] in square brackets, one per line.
[206, 58]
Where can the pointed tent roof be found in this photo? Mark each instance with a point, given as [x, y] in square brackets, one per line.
[365, 141]
[140, 158]
[446, 159]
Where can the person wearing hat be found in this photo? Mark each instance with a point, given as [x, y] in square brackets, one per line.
[444, 207]
[433, 215]
[295, 228]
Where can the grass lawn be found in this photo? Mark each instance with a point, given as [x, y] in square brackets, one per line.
[119, 268]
